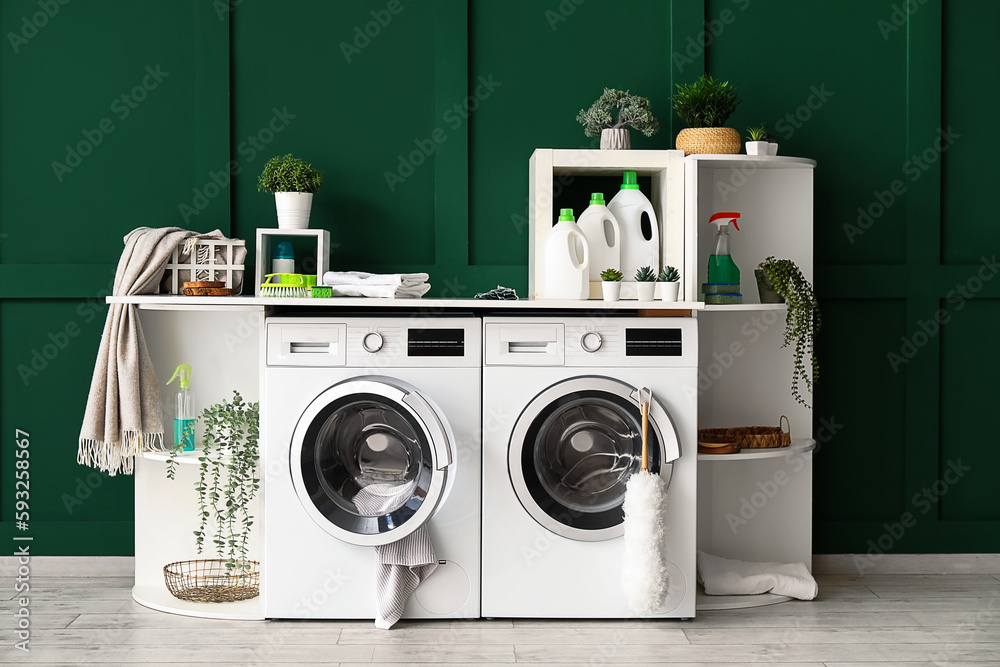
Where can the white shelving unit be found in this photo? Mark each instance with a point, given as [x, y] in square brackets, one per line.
[222, 346]
[666, 171]
[755, 505]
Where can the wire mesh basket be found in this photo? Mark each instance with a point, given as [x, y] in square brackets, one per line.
[208, 580]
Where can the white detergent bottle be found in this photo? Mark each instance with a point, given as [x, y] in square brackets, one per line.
[600, 227]
[567, 260]
[639, 247]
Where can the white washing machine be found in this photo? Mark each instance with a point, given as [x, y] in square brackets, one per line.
[561, 436]
[350, 402]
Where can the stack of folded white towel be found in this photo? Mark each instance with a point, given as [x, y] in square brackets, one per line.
[381, 285]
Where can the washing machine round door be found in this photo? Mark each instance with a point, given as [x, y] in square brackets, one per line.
[369, 460]
[575, 446]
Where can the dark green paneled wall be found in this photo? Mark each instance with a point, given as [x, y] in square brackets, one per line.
[424, 126]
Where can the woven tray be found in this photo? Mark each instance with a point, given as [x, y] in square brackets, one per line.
[207, 580]
[751, 437]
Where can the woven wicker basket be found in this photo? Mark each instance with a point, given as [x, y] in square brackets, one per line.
[711, 140]
[207, 580]
[751, 437]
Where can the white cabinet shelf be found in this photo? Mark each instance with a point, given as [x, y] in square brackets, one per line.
[798, 446]
[756, 505]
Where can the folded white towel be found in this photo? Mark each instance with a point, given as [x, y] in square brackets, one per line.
[721, 576]
[385, 286]
[401, 565]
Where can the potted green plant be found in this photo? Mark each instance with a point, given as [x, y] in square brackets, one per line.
[629, 111]
[611, 284]
[227, 482]
[802, 321]
[670, 285]
[645, 283]
[757, 143]
[293, 183]
[705, 106]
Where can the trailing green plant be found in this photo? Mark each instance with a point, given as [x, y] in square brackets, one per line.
[645, 275]
[706, 102]
[758, 133]
[227, 477]
[611, 275]
[289, 174]
[630, 111]
[802, 321]
[668, 275]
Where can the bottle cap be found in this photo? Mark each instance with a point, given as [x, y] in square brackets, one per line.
[630, 181]
[597, 199]
[283, 250]
[566, 214]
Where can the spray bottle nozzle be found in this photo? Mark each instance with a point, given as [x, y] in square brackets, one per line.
[184, 371]
[725, 218]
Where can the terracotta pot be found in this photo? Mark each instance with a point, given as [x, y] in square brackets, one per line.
[710, 140]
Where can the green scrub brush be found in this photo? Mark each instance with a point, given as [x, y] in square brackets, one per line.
[284, 285]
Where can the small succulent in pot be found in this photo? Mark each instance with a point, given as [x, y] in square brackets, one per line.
[611, 284]
[669, 275]
[757, 143]
[645, 283]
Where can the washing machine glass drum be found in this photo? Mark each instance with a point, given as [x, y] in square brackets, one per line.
[370, 460]
[575, 446]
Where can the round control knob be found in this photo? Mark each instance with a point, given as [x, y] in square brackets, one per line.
[591, 341]
[372, 342]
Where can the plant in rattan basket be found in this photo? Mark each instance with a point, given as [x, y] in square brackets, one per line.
[802, 321]
[705, 106]
[227, 482]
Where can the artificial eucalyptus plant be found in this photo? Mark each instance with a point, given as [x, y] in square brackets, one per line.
[802, 320]
[629, 111]
[227, 477]
[289, 174]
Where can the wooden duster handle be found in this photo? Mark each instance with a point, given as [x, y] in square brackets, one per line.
[644, 410]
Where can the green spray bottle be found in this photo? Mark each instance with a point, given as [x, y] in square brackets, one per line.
[721, 267]
[184, 416]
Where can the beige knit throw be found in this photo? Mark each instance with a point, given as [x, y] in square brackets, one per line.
[123, 414]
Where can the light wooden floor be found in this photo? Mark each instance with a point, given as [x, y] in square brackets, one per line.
[904, 620]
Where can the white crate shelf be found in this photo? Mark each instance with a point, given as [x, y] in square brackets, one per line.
[664, 168]
[210, 259]
[264, 237]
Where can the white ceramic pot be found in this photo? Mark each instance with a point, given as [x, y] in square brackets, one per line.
[645, 290]
[757, 148]
[612, 289]
[772, 148]
[612, 139]
[293, 209]
[669, 291]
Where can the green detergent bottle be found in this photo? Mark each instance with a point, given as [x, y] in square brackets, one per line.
[721, 267]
